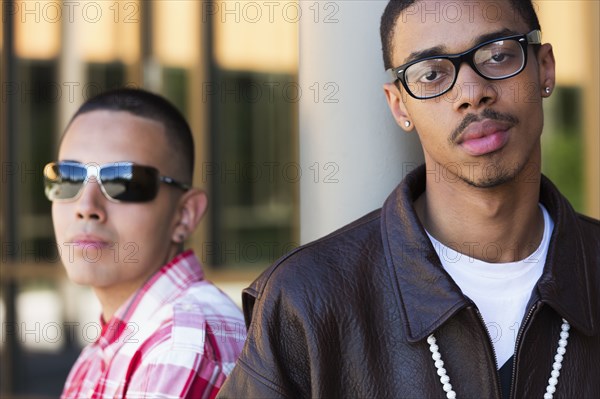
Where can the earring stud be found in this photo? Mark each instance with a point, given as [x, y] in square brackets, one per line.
[406, 123]
[547, 90]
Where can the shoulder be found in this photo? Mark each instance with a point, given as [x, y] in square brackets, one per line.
[320, 266]
[590, 236]
[300, 303]
[206, 319]
[570, 226]
[589, 224]
[201, 320]
[204, 300]
[563, 213]
[199, 337]
[326, 255]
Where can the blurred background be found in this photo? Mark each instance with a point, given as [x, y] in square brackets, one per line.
[293, 137]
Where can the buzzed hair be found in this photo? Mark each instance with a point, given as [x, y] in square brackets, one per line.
[148, 105]
[394, 8]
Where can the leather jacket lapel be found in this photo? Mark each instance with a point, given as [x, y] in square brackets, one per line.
[428, 296]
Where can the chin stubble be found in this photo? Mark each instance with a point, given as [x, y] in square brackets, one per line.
[502, 174]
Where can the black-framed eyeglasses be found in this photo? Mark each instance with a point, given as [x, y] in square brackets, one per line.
[495, 59]
[119, 181]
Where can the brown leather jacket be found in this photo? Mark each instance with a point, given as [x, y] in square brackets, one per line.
[348, 316]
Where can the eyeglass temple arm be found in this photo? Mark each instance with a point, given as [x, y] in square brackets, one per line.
[393, 74]
[534, 37]
[173, 182]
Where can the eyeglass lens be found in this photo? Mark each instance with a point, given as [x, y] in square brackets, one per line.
[130, 183]
[63, 180]
[121, 182]
[496, 60]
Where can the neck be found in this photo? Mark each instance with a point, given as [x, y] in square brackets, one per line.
[112, 297]
[111, 300]
[496, 225]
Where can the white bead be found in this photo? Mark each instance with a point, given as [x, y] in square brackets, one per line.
[556, 366]
[552, 381]
[558, 358]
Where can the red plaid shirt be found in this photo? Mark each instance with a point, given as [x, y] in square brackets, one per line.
[177, 337]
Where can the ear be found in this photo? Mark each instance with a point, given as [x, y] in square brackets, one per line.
[547, 69]
[396, 103]
[191, 208]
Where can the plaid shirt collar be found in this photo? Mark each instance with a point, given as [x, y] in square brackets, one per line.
[171, 279]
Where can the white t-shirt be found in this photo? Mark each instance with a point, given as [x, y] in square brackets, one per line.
[500, 290]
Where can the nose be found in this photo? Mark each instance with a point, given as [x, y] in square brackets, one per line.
[91, 202]
[472, 91]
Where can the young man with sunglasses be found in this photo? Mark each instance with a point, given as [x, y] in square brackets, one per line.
[476, 279]
[122, 208]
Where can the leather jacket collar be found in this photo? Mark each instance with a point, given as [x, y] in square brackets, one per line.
[429, 297]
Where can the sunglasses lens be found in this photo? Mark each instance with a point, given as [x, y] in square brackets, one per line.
[63, 180]
[130, 183]
[120, 181]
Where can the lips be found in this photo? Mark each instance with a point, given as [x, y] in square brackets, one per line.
[87, 240]
[484, 137]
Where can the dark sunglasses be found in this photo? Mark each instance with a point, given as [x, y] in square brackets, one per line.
[119, 181]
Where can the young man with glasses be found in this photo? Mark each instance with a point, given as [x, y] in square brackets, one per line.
[122, 207]
[476, 279]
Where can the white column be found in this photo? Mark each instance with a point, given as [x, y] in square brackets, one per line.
[352, 153]
[71, 73]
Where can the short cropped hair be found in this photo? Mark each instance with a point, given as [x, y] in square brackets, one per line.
[392, 12]
[148, 105]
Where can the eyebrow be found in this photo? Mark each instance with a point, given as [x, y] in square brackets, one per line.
[441, 50]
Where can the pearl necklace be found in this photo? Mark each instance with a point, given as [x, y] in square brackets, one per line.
[552, 382]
